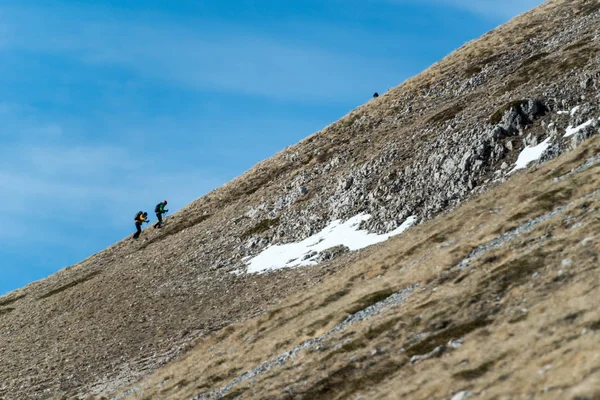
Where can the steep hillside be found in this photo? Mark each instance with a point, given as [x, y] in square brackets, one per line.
[496, 300]
[491, 294]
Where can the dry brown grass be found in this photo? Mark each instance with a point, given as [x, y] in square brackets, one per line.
[505, 347]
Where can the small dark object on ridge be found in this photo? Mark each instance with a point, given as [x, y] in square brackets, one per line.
[375, 95]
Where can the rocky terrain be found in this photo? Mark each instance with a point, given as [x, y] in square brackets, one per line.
[491, 295]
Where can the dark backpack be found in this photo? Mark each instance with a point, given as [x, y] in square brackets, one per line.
[157, 208]
[137, 216]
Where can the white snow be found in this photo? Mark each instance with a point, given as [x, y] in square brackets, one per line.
[335, 234]
[461, 396]
[530, 154]
[571, 131]
[574, 110]
[236, 272]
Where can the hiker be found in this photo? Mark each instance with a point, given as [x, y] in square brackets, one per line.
[139, 219]
[160, 210]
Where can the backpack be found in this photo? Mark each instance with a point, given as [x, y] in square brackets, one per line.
[137, 216]
[157, 208]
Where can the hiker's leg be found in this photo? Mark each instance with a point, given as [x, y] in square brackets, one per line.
[159, 218]
[138, 227]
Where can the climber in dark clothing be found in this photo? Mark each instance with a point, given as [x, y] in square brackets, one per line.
[160, 210]
[139, 219]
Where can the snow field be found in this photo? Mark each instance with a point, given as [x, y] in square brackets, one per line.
[530, 154]
[337, 233]
[533, 153]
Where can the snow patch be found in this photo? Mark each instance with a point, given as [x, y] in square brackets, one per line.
[530, 154]
[337, 233]
[574, 110]
[571, 131]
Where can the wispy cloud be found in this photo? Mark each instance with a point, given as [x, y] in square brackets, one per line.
[214, 57]
[48, 188]
[97, 161]
[23, 122]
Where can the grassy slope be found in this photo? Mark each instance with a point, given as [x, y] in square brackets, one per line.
[529, 319]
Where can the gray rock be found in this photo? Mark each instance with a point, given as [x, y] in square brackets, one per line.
[347, 183]
[309, 255]
[584, 134]
[455, 344]
[435, 353]
[587, 83]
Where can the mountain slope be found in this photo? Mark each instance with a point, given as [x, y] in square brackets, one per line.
[423, 148]
[496, 299]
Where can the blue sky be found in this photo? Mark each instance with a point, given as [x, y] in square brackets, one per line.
[108, 107]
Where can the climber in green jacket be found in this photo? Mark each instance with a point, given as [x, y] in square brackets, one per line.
[160, 210]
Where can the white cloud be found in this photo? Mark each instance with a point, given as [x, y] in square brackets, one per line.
[227, 58]
[48, 191]
[81, 161]
[20, 121]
